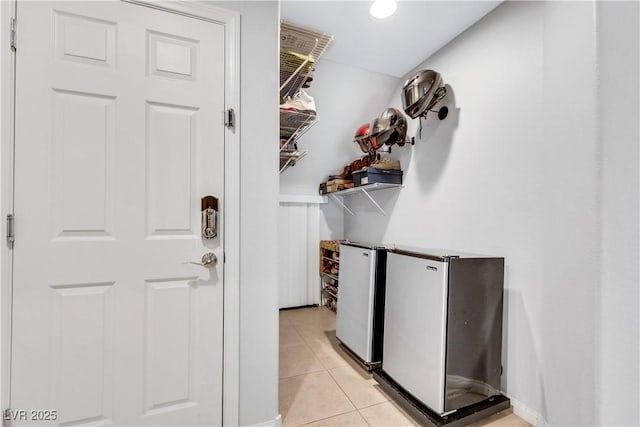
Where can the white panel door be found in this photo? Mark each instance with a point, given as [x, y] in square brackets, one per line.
[354, 319]
[118, 135]
[415, 314]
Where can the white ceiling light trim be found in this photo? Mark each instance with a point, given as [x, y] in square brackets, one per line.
[383, 8]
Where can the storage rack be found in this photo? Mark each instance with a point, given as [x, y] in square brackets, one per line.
[330, 272]
[300, 50]
[293, 125]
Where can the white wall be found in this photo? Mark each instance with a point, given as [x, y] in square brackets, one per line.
[346, 97]
[258, 210]
[518, 169]
[619, 111]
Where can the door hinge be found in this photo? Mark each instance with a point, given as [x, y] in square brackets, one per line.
[230, 118]
[13, 33]
[10, 235]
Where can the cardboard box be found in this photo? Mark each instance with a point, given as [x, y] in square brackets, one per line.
[335, 185]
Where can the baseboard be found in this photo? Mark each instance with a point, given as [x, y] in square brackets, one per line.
[299, 306]
[277, 422]
[528, 414]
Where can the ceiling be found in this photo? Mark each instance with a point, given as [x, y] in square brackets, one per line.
[394, 45]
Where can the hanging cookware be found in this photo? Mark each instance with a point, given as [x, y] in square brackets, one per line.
[365, 141]
[390, 128]
[422, 92]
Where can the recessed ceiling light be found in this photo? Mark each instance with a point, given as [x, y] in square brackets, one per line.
[383, 8]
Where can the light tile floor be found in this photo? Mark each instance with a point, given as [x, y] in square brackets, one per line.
[321, 385]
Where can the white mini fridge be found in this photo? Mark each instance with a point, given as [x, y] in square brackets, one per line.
[360, 314]
[443, 327]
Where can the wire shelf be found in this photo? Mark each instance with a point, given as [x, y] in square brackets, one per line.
[289, 158]
[293, 125]
[331, 291]
[300, 50]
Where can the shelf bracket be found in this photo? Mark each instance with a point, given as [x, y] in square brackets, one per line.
[374, 202]
[338, 201]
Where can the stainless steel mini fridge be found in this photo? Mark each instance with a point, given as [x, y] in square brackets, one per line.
[359, 320]
[443, 326]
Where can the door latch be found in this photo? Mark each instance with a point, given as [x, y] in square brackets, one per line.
[230, 118]
[10, 235]
[13, 34]
[209, 209]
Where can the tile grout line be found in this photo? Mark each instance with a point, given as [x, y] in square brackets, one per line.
[355, 408]
[376, 404]
[341, 389]
[302, 337]
[308, 348]
[364, 418]
[302, 374]
[315, 354]
[326, 418]
[345, 393]
[328, 370]
[393, 403]
[324, 369]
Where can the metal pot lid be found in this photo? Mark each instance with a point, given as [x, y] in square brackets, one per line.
[421, 92]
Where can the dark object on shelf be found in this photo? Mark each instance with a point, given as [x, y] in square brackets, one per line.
[426, 417]
[334, 185]
[373, 175]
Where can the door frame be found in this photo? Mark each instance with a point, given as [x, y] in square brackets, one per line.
[231, 207]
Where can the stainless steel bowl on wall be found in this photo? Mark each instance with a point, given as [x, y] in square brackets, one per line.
[390, 128]
[421, 92]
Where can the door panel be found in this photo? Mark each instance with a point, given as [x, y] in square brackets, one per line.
[84, 39]
[82, 169]
[82, 344]
[118, 136]
[171, 56]
[170, 345]
[171, 167]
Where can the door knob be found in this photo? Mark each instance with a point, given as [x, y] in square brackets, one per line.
[208, 260]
